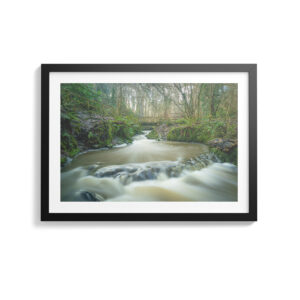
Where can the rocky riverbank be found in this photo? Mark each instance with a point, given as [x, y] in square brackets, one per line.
[91, 131]
[216, 135]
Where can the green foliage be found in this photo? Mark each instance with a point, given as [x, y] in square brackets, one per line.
[105, 132]
[69, 115]
[196, 133]
[181, 121]
[101, 136]
[152, 135]
[69, 144]
[207, 111]
[200, 133]
[168, 122]
[73, 152]
[190, 122]
[79, 96]
[63, 160]
[218, 128]
[90, 135]
[231, 131]
[187, 134]
[231, 156]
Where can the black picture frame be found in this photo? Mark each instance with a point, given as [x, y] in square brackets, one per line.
[251, 69]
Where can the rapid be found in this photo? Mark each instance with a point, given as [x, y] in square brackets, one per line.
[149, 170]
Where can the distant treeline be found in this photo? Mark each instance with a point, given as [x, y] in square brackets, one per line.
[153, 100]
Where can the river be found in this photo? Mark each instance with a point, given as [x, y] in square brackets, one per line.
[149, 170]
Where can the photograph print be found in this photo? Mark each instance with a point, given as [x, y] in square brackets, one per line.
[149, 142]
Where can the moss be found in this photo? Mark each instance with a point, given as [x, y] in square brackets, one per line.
[98, 136]
[219, 129]
[69, 144]
[104, 133]
[125, 130]
[101, 135]
[136, 128]
[152, 135]
[189, 134]
[200, 133]
[169, 122]
[232, 130]
[231, 156]
[63, 160]
[73, 152]
[90, 135]
[181, 121]
[109, 131]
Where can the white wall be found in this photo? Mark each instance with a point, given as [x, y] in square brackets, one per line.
[150, 261]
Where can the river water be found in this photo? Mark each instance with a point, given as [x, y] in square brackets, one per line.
[149, 170]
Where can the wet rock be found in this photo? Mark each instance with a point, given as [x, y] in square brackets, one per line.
[142, 175]
[163, 131]
[225, 150]
[113, 171]
[151, 171]
[92, 167]
[150, 174]
[174, 171]
[90, 197]
[103, 187]
[116, 140]
[201, 161]
[124, 178]
[139, 176]
[108, 173]
[225, 145]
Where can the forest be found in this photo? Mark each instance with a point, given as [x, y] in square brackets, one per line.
[104, 115]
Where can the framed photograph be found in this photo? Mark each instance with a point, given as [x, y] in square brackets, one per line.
[154, 142]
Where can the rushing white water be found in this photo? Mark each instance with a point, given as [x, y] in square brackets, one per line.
[149, 170]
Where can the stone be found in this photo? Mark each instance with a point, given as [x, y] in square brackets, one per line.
[225, 145]
[90, 197]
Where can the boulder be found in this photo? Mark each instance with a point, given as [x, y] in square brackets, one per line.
[90, 197]
[225, 145]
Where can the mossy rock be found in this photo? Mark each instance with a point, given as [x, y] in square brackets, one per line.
[181, 121]
[94, 133]
[69, 144]
[231, 156]
[125, 130]
[153, 135]
[63, 160]
[189, 134]
[100, 135]
[199, 133]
